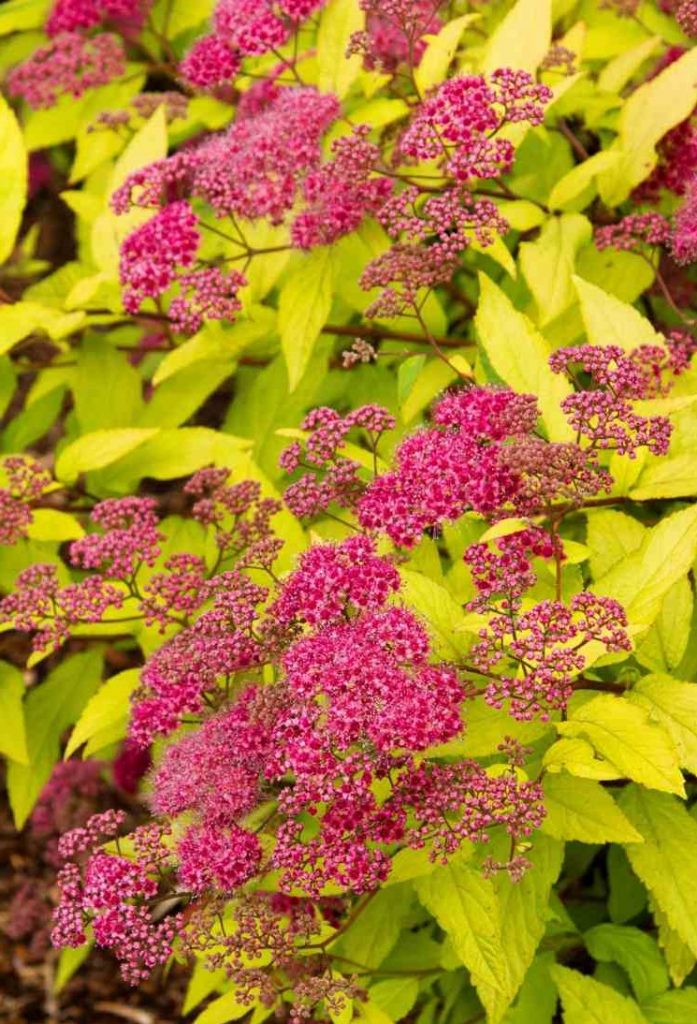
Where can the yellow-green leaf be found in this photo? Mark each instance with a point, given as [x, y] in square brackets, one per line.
[304, 305]
[674, 705]
[665, 860]
[520, 355]
[575, 183]
[609, 321]
[98, 449]
[523, 37]
[581, 809]
[434, 64]
[52, 524]
[577, 757]
[587, 1001]
[337, 72]
[13, 178]
[623, 733]
[13, 741]
[109, 707]
[641, 580]
[548, 264]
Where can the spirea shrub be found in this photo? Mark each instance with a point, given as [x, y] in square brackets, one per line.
[347, 502]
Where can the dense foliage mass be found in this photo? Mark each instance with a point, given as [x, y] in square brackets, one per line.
[347, 511]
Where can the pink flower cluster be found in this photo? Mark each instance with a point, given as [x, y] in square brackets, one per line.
[603, 413]
[243, 28]
[459, 124]
[634, 230]
[81, 15]
[331, 477]
[684, 238]
[27, 481]
[113, 893]
[542, 651]
[70, 63]
[394, 32]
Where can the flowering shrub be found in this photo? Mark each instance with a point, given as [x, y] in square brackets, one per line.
[348, 525]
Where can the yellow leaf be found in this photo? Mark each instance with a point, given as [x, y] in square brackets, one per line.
[433, 66]
[13, 178]
[523, 37]
[337, 72]
[609, 321]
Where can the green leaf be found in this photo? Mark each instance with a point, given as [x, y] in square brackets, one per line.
[376, 929]
[665, 860]
[13, 178]
[440, 610]
[69, 962]
[624, 734]
[611, 537]
[672, 1007]
[548, 264]
[674, 705]
[49, 709]
[337, 72]
[494, 926]
[665, 643]
[304, 305]
[110, 707]
[106, 388]
[395, 997]
[523, 37]
[577, 757]
[576, 186]
[651, 111]
[586, 1001]
[223, 1009]
[581, 809]
[13, 740]
[679, 957]
[217, 342]
[634, 950]
[23, 318]
[537, 999]
[22, 14]
[641, 580]
[98, 449]
[627, 896]
[433, 67]
[52, 524]
[520, 356]
[609, 321]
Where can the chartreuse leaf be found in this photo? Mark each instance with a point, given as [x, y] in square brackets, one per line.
[520, 355]
[523, 37]
[49, 709]
[23, 318]
[376, 929]
[651, 111]
[223, 1009]
[201, 983]
[623, 733]
[641, 580]
[21, 14]
[52, 524]
[676, 1007]
[106, 388]
[440, 610]
[441, 48]
[13, 740]
[395, 997]
[108, 708]
[13, 178]
[577, 757]
[665, 860]
[634, 950]
[665, 643]
[494, 926]
[304, 305]
[609, 321]
[587, 1001]
[69, 962]
[98, 449]
[674, 705]
[577, 186]
[337, 72]
[611, 536]
[618, 72]
[109, 229]
[217, 343]
[548, 264]
[679, 957]
[581, 809]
